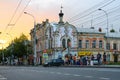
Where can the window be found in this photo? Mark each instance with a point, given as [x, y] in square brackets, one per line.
[68, 43]
[63, 43]
[80, 44]
[87, 44]
[100, 44]
[115, 46]
[94, 44]
[108, 46]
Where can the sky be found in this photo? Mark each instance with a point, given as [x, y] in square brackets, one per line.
[81, 13]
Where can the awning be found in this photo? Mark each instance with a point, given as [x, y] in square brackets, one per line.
[84, 53]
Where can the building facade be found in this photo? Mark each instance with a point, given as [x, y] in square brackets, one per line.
[62, 39]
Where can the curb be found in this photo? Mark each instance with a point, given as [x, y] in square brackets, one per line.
[94, 66]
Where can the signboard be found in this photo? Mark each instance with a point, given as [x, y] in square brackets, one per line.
[45, 55]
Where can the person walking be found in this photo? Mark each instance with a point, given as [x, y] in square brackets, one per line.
[92, 59]
[104, 58]
[98, 58]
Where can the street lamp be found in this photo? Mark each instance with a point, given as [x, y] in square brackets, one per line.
[107, 21]
[34, 36]
[54, 33]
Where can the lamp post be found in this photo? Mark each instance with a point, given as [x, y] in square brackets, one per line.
[107, 32]
[34, 36]
[107, 22]
[54, 44]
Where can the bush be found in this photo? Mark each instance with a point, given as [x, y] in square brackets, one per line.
[114, 63]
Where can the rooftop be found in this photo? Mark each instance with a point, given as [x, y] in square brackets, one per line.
[89, 30]
[113, 35]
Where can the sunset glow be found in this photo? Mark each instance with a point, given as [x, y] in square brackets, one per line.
[41, 9]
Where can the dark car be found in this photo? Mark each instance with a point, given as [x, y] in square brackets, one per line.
[54, 62]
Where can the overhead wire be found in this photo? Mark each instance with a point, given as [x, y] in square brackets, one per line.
[113, 10]
[75, 20]
[9, 23]
[20, 15]
[90, 10]
[110, 12]
[78, 14]
[13, 15]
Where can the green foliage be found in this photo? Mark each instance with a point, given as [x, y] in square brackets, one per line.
[19, 47]
[114, 63]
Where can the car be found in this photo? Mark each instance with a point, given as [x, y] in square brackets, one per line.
[54, 62]
[95, 62]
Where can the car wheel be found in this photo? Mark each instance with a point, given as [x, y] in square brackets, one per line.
[49, 65]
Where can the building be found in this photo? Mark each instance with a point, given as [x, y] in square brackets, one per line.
[60, 40]
[113, 45]
[90, 41]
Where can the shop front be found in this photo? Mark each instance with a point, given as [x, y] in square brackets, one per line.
[84, 53]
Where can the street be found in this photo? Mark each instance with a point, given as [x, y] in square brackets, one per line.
[58, 73]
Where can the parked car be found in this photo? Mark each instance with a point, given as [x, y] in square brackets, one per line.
[95, 62]
[54, 62]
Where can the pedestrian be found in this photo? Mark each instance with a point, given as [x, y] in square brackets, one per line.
[99, 58]
[104, 58]
[74, 59]
[92, 59]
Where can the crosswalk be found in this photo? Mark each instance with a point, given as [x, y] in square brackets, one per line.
[2, 78]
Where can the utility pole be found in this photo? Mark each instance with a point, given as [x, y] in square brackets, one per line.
[107, 26]
[34, 36]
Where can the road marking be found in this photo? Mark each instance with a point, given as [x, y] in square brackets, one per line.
[105, 78]
[3, 78]
[52, 72]
[40, 71]
[59, 73]
[67, 74]
[107, 70]
[46, 71]
[88, 76]
[76, 75]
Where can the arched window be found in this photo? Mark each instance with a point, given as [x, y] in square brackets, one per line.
[100, 44]
[64, 43]
[68, 43]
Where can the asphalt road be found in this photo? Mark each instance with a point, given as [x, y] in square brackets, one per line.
[58, 73]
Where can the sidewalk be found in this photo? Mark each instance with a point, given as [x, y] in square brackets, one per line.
[73, 66]
[94, 66]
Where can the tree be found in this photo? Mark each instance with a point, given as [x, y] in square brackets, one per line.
[18, 47]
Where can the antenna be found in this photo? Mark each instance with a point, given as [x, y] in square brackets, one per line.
[61, 5]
